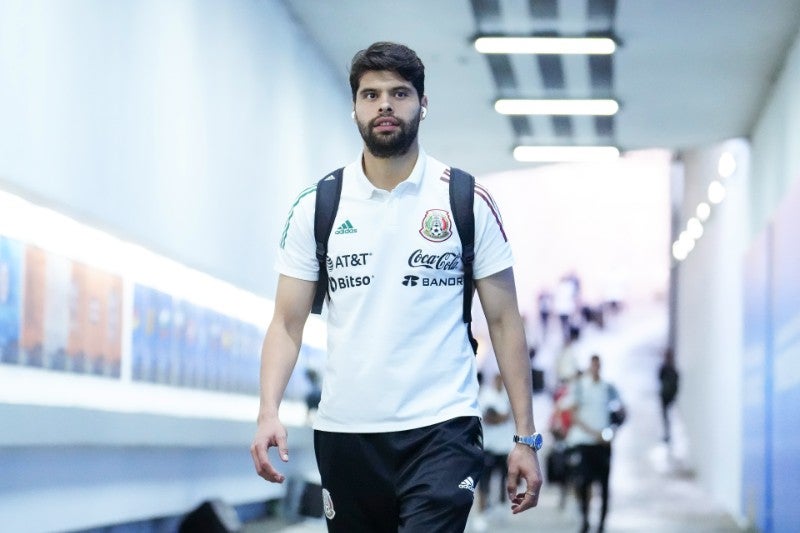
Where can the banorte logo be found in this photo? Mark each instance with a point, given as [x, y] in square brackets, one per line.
[410, 281]
[413, 281]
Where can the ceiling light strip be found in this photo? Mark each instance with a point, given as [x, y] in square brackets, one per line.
[604, 107]
[551, 154]
[546, 45]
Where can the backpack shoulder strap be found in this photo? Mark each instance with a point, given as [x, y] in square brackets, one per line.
[329, 190]
[462, 200]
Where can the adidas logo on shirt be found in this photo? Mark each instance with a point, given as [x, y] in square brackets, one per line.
[346, 227]
[468, 484]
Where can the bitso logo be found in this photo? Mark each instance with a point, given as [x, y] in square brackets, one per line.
[436, 225]
[410, 281]
[346, 227]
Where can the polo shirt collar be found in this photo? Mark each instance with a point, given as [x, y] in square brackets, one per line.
[363, 188]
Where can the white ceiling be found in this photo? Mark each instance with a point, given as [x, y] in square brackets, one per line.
[686, 73]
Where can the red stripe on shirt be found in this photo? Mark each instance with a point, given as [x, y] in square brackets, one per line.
[481, 191]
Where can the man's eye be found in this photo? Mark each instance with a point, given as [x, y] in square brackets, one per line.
[401, 94]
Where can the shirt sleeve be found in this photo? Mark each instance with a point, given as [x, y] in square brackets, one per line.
[297, 248]
[492, 250]
[613, 394]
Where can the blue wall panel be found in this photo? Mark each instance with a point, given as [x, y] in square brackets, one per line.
[756, 485]
[786, 364]
[11, 272]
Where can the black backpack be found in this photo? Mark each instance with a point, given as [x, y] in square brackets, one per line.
[462, 195]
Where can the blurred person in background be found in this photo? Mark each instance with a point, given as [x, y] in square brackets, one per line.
[557, 463]
[544, 302]
[668, 380]
[567, 358]
[497, 425]
[313, 395]
[590, 436]
[567, 370]
[565, 304]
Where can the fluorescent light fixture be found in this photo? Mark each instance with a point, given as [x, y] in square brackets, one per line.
[64, 236]
[727, 165]
[542, 154]
[678, 251]
[695, 228]
[716, 192]
[703, 211]
[545, 45]
[556, 107]
[686, 241]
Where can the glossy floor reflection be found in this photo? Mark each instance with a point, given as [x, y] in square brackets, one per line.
[652, 489]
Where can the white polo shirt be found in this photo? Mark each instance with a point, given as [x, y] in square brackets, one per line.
[398, 353]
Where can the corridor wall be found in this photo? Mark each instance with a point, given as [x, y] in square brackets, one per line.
[785, 342]
[185, 127]
[738, 316]
[757, 382]
[775, 212]
[772, 372]
[710, 323]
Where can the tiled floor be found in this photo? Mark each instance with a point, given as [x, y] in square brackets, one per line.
[651, 489]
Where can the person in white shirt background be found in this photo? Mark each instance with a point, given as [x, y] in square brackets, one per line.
[590, 436]
[497, 423]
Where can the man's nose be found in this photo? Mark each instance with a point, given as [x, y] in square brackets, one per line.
[385, 106]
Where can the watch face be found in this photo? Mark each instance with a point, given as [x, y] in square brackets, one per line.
[538, 441]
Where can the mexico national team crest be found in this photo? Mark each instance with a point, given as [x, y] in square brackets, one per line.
[436, 225]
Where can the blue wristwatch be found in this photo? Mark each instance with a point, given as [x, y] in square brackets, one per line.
[535, 441]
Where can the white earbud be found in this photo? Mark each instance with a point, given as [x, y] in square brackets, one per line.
[353, 115]
[424, 111]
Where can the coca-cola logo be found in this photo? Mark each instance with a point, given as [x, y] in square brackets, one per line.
[445, 261]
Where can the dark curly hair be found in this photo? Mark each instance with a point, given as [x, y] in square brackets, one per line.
[388, 56]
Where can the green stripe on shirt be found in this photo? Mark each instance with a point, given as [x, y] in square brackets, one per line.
[305, 192]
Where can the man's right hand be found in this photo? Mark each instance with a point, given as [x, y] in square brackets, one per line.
[270, 433]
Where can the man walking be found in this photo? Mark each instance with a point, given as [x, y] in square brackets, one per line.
[590, 437]
[397, 432]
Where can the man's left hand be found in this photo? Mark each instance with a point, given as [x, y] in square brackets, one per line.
[524, 478]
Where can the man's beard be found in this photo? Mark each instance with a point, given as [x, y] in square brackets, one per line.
[395, 144]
